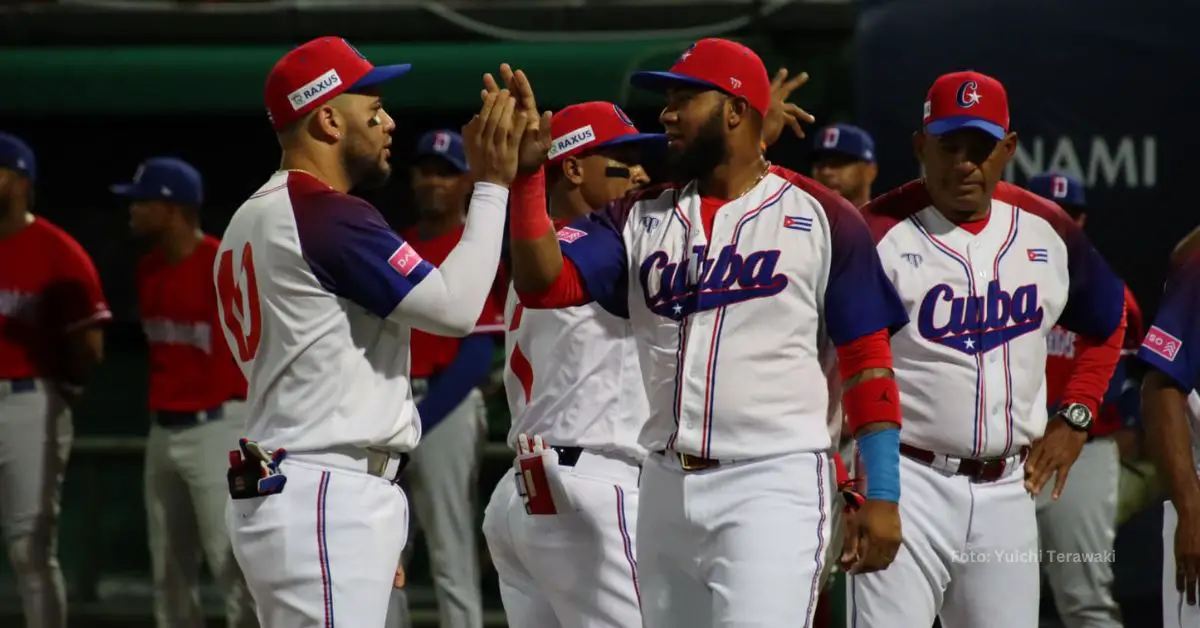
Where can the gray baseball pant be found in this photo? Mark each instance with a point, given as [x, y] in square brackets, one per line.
[36, 432]
[186, 497]
[1077, 534]
[442, 481]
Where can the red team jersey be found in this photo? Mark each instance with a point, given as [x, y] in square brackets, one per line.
[1064, 346]
[432, 354]
[48, 287]
[191, 368]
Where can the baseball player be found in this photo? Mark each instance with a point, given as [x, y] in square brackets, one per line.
[1171, 410]
[572, 379]
[446, 376]
[985, 270]
[844, 161]
[317, 300]
[51, 311]
[196, 396]
[738, 282]
[1083, 522]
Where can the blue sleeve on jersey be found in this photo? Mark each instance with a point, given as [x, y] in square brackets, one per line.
[468, 370]
[1172, 344]
[595, 245]
[354, 254]
[859, 298]
[1096, 296]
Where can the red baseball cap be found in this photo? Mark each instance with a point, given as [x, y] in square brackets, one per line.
[966, 100]
[592, 125]
[313, 73]
[719, 64]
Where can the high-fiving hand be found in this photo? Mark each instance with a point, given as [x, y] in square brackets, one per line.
[783, 113]
[535, 142]
[492, 139]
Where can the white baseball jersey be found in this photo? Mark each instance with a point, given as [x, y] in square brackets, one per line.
[1172, 343]
[733, 329]
[318, 297]
[971, 367]
[572, 375]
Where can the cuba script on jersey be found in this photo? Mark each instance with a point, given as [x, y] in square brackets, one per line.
[979, 323]
[736, 327]
[971, 371]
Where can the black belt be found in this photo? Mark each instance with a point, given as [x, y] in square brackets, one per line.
[175, 418]
[22, 385]
[974, 468]
[568, 456]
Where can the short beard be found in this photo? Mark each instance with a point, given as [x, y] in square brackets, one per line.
[364, 169]
[703, 155]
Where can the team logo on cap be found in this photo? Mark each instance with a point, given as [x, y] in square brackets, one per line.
[622, 117]
[314, 89]
[687, 53]
[830, 139]
[1059, 186]
[441, 142]
[579, 137]
[968, 95]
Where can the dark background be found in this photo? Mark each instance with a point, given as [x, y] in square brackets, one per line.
[1075, 69]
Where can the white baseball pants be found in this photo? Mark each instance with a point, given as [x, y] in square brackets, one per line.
[36, 432]
[322, 553]
[186, 492]
[572, 569]
[969, 556]
[1077, 534]
[739, 545]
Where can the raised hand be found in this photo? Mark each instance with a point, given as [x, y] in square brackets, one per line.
[783, 113]
[493, 137]
[535, 143]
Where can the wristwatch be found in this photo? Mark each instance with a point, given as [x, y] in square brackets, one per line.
[1078, 416]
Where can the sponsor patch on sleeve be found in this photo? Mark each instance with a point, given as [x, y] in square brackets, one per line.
[1161, 343]
[405, 259]
[570, 234]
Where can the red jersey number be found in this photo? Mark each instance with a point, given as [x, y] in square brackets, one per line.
[239, 303]
[517, 361]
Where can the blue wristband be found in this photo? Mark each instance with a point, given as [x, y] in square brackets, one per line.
[880, 454]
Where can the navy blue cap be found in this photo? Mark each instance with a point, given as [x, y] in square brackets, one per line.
[17, 155]
[446, 144]
[1058, 187]
[845, 139]
[164, 179]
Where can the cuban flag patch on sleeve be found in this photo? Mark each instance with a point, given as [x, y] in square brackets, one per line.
[1038, 255]
[798, 223]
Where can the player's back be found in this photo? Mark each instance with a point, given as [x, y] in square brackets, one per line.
[323, 371]
[572, 376]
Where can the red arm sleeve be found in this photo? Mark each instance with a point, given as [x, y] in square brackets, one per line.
[873, 400]
[843, 476]
[566, 291]
[1094, 368]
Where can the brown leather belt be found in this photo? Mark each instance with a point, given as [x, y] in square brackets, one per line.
[977, 470]
[688, 462]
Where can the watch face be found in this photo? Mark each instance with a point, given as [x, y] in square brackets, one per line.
[1078, 415]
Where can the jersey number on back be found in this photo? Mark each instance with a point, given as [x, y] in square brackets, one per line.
[239, 302]
[517, 361]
